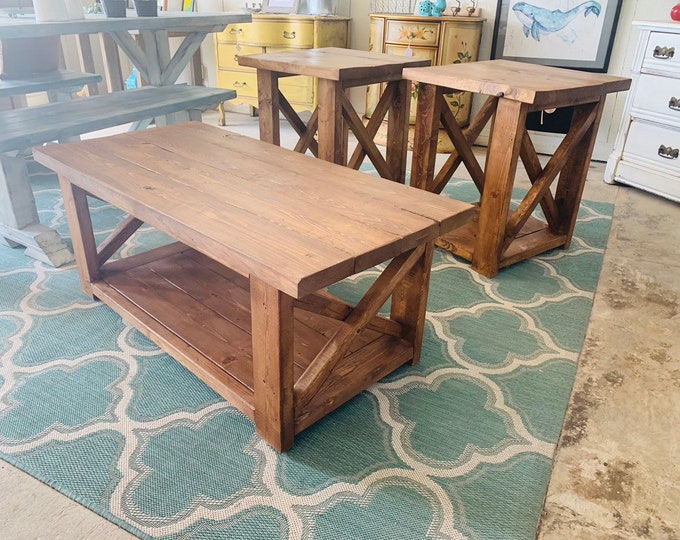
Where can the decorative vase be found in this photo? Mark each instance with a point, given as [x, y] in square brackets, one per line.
[114, 8]
[146, 8]
[675, 12]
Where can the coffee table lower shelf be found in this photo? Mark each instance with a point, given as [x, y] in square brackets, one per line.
[198, 311]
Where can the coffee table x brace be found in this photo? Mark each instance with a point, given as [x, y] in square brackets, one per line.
[337, 70]
[497, 236]
[240, 298]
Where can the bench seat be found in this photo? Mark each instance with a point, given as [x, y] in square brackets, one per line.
[64, 120]
[60, 80]
[33, 126]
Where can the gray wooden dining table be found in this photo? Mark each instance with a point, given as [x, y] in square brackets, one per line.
[151, 55]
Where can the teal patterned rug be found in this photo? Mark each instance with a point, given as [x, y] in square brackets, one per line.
[460, 446]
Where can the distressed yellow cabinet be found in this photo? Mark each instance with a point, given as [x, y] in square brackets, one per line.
[443, 40]
[273, 33]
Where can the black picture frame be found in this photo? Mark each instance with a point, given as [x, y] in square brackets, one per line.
[533, 32]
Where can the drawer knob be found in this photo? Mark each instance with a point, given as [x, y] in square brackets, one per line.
[288, 35]
[668, 152]
[664, 53]
[674, 104]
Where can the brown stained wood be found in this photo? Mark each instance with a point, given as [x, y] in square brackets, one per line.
[219, 304]
[409, 301]
[471, 134]
[540, 186]
[397, 130]
[267, 162]
[428, 114]
[364, 140]
[541, 86]
[273, 374]
[354, 373]
[330, 130]
[306, 133]
[573, 176]
[82, 234]
[268, 116]
[203, 367]
[501, 166]
[462, 144]
[365, 310]
[534, 170]
[373, 125]
[117, 238]
[335, 64]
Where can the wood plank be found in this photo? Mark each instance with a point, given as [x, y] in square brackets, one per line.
[43, 82]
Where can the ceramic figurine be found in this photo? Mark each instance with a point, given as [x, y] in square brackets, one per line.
[438, 8]
[425, 8]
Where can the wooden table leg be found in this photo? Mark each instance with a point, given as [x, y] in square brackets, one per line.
[19, 221]
[573, 175]
[501, 166]
[397, 130]
[409, 302]
[268, 94]
[273, 376]
[428, 113]
[332, 145]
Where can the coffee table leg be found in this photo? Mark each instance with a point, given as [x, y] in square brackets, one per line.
[268, 93]
[272, 330]
[409, 302]
[501, 167]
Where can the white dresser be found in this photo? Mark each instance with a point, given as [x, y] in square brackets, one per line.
[647, 151]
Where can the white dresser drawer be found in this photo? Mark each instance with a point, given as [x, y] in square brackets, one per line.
[662, 53]
[654, 145]
[659, 95]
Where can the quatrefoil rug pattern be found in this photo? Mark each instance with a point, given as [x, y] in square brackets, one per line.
[459, 446]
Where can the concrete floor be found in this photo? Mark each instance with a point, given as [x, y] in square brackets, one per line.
[616, 475]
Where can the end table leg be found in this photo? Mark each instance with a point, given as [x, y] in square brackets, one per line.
[499, 174]
[268, 103]
[409, 302]
[397, 130]
[272, 335]
[428, 113]
[331, 128]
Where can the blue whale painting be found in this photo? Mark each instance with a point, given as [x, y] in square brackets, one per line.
[536, 19]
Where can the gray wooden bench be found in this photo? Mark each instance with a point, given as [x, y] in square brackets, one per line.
[54, 83]
[61, 121]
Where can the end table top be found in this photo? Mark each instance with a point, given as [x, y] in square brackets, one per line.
[334, 63]
[520, 81]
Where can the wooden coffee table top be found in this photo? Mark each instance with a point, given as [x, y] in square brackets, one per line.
[225, 196]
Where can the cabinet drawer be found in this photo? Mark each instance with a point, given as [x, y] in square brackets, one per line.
[297, 34]
[659, 95]
[228, 53]
[653, 144]
[418, 52]
[415, 33]
[662, 53]
[298, 89]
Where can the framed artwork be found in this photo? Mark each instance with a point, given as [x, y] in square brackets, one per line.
[563, 33]
[187, 5]
[280, 6]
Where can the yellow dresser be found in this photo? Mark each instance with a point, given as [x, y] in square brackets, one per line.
[271, 33]
[443, 40]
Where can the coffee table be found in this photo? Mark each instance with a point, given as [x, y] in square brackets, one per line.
[261, 231]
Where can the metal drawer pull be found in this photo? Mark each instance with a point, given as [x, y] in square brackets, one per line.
[236, 60]
[674, 104]
[664, 53]
[668, 152]
[234, 31]
[288, 35]
[243, 85]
